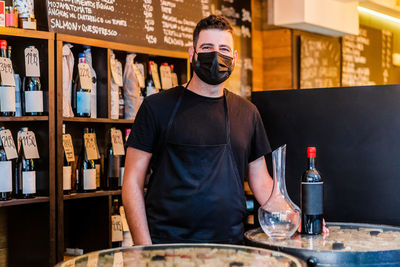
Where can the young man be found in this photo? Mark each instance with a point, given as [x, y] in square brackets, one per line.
[200, 141]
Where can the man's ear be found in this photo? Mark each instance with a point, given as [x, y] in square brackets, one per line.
[191, 52]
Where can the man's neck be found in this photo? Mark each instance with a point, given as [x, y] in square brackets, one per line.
[199, 87]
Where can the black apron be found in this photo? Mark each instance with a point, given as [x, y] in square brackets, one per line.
[196, 194]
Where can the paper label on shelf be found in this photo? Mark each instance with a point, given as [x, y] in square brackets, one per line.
[8, 144]
[7, 98]
[116, 71]
[92, 259]
[85, 76]
[116, 234]
[118, 259]
[117, 142]
[68, 148]
[125, 226]
[29, 145]
[89, 179]
[32, 67]
[139, 75]
[34, 101]
[166, 79]
[92, 151]
[156, 77]
[67, 170]
[6, 176]
[174, 79]
[83, 102]
[140, 66]
[6, 72]
[29, 182]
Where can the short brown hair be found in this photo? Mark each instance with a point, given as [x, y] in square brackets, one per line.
[211, 22]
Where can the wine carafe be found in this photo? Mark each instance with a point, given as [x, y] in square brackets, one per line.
[279, 217]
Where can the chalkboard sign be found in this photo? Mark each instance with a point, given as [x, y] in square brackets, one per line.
[161, 24]
[319, 62]
[367, 57]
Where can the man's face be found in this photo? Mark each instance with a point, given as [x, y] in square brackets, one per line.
[212, 40]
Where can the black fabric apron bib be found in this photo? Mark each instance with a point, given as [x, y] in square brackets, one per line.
[196, 193]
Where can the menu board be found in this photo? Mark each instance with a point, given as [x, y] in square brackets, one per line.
[319, 62]
[367, 57]
[162, 24]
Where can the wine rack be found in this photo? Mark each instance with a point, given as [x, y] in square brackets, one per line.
[84, 219]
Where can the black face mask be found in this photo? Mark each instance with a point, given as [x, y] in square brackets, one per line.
[212, 67]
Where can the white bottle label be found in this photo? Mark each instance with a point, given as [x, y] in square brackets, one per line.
[89, 179]
[67, 177]
[6, 176]
[34, 101]
[29, 182]
[7, 98]
[116, 228]
[121, 176]
[83, 102]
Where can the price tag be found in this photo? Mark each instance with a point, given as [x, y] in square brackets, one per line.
[29, 145]
[92, 151]
[166, 80]
[116, 228]
[117, 142]
[174, 79]
[85, 76]
[68, 148]
[32, 66]
[8, 144]
[125, 227]
[116, 71]
[156, 77]
[139, 74]
[118, 259]
[92, 260]
[6, 72]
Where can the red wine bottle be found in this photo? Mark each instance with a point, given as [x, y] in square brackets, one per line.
[113, 166]
[6, 173]
[312, 197]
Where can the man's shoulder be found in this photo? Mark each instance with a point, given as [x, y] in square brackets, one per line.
[164, 98]
[239, 102]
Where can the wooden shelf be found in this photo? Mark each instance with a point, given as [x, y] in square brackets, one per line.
[98, 120]
[26, 33]
[99, 193]
[25, 118]
[15, 202]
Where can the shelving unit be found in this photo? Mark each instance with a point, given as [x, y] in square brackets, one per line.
[84, 219]
[30, 224]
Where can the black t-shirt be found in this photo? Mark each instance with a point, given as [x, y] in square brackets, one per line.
[200, 120]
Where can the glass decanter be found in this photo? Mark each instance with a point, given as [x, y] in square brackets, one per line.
[279, 216]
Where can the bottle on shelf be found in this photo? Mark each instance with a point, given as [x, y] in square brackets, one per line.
[174, 77]
[150, 86]
[311, 195]
[25, 176]
[121, 102]
[122, 166]
[18, 107]
[82, 97]
[6, 173]
[112, 166]
[116, 224]
[32, 95]
[7, 92]
[67, 171]
[98, 164]
[86, 170]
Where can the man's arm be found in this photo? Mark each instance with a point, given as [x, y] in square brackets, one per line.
[136, 164]
[259, 180]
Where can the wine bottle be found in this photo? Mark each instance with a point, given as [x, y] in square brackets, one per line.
[116, 231]
[150, 87]
[82, 97]
[32, 96]
[67, 171]
[6, 173]
[86, 172]
[113, 166]
[312, 197]
[121, 102]
[122, 161]
[7, 92]
[25, 176]
[98, 164]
